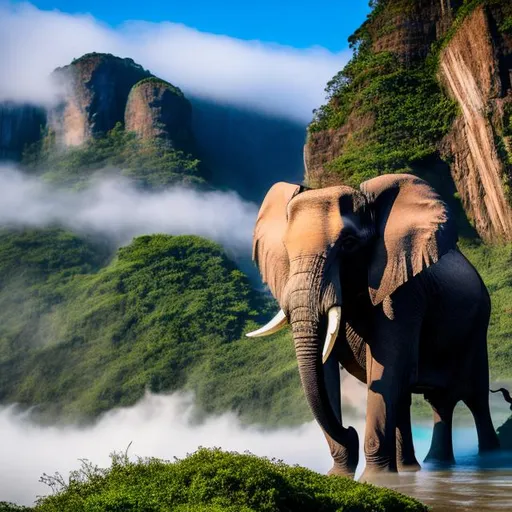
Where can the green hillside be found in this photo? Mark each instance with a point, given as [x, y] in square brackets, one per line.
[80, 334]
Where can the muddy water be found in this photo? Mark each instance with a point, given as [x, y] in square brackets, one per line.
[475, 483]
[464, 488]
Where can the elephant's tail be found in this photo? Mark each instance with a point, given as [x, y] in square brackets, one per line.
[505, 393]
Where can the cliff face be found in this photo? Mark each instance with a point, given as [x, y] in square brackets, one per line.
[408, 28]
[156, 109]
[20, 125]
[407, 53]
[470, 67]
[97, 88]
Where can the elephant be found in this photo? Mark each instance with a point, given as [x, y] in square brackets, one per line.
[372, 280]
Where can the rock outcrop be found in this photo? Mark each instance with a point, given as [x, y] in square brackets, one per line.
[472, 44]
[408, 28]
[20, 125]
[157, 109]
[470, 68]
[97, 87]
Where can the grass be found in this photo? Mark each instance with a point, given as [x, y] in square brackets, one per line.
[215, 481]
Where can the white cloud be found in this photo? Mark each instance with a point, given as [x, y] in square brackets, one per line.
[269, 77]
[113, 207]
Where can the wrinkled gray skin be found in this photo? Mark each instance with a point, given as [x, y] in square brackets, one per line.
[414, 311]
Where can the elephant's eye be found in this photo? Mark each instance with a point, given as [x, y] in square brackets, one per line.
[349, 242]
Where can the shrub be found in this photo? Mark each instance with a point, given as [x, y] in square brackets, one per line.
[213, 480]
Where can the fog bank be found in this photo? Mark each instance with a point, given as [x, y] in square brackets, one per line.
[114, 208]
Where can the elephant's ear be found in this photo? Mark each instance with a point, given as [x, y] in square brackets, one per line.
[268, 250]
[413, 228]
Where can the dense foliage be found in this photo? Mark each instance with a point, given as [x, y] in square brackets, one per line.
[397, 112]
[150, 163]
[79, 336]
[215, 481]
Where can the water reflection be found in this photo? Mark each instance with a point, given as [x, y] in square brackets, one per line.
[474, 483]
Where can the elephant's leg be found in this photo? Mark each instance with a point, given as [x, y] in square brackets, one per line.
[441, 446]
[487, 438]
[381, 419]
[478, 400]
[478, 404]
[405, 456]
[344, 460]
[391, 360]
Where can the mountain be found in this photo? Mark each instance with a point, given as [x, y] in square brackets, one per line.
[164, 313]
[201, 140]
[429, 88]
[82, 331]
[246, 150]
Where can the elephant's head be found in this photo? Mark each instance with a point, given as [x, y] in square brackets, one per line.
[304, 238]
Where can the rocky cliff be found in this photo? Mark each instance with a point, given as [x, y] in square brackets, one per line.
[157, 109]
[430, 83]
[97, 87]
[475, 67]
[19, 125]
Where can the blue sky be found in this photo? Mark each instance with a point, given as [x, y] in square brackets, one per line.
[297, 23]
[273, 58]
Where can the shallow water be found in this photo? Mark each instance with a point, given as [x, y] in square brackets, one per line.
[463, 488]
[474, 483]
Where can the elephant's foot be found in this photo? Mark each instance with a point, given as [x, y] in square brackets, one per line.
[409, 467]
[441, 459]
[488, 444]
[341, 470]
[406, 461]
[379, 475]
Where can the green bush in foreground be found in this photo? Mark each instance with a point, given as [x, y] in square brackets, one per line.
[213, 480]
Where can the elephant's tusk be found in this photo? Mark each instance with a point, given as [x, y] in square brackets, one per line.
[333, 327]
[276, 324]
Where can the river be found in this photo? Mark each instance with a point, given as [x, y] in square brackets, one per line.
[476, 483]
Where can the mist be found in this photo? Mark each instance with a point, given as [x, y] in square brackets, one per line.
[160, 426]
[114, 208]
[274, 79]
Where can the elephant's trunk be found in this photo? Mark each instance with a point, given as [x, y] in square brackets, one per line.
[308, 326]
